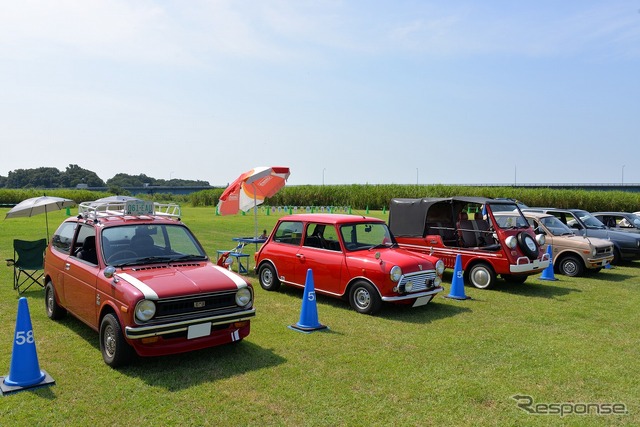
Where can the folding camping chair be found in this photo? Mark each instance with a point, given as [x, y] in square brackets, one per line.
[225, 258]
[28, 263]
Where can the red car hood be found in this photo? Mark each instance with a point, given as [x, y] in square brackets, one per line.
[166, 281]
[407, 260]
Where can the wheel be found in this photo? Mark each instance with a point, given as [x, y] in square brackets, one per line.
[482, 276]
[617, 257]
[528, 245]
[54, 311]
[115, 350]
[364, 298]
[571, 266]
[512, 278]
[268, 278]
[123, 254]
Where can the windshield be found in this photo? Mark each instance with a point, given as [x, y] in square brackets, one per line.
[589, 220]
[143, 244]
[366, 236]
[555, 226]
[511, 221]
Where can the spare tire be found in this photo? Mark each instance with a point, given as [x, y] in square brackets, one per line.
[528, 245]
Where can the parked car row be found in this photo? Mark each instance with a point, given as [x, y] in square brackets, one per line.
[132, 271]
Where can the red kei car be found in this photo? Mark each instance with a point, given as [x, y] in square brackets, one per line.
[351, 257]
[488, 244]
[135, 273]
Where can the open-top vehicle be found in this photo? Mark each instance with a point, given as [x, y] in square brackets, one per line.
[135, 273]
[488, 244]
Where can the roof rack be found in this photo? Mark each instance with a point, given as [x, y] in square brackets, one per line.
[128, 208]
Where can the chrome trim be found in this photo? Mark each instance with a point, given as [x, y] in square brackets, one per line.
[135, 333]
[414, 295]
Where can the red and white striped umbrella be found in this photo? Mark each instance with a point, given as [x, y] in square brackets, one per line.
[251, 188]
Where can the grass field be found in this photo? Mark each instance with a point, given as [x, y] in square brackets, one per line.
[573, 341]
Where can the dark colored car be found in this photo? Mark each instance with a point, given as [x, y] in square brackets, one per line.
[351, 257]
[620, 221]
[132, 271]
[626, 246]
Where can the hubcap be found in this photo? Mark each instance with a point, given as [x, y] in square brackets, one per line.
[363, 299]
[480, 278]
[109, 341]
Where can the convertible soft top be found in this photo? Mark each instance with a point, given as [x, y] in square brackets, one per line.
[408, 217]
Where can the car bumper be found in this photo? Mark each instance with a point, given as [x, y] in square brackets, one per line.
[599, 262]
[424, 295]
[139, 332]
[525, 265]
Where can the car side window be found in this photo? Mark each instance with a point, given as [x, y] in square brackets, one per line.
[63, 237]
[289, 232]
[85, 245]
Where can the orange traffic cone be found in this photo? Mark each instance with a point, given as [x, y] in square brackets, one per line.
[25, 371]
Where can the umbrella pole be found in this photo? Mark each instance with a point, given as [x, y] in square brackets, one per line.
[46, 220]
[255, 213]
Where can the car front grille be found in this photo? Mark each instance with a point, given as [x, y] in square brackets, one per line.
[602, 252]
[195, 306]
[421, 280]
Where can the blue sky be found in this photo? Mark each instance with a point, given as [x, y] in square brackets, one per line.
[342, 91]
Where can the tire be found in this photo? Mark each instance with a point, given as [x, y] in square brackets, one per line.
[268, 278]
[512, 278]
[617, 257]
[364, 298]
[528, 245]
[481, 276]
[571, 266]
[115, 349]
[54, 311]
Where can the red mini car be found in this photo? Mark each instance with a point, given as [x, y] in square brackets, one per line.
[134, 272]
[351, 257]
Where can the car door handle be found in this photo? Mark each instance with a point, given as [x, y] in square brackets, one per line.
[301, 256]
[67, 266]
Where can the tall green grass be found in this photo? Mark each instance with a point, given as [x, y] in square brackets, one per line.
[376, 197]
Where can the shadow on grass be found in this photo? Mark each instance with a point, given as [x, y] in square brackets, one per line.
[181, 371]
[403, 313]
[536, 288]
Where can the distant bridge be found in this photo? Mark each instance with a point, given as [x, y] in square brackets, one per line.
[632, 188]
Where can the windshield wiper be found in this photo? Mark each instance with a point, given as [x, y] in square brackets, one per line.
[189, 257]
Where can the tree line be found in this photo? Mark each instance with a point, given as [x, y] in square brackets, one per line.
[74, 176]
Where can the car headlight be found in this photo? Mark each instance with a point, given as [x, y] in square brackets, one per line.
[243, 297]
[437, 281]
[395, 273]
[593, 251]
[511, 242]
[145, 310]
[540, 238]
[440, 267]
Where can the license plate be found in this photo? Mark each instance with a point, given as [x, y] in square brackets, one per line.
[197, 331]
[422, 301]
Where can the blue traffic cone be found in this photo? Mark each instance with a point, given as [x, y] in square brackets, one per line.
[309, 313]
[457, 281]
[25, 371]
[547, 273]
